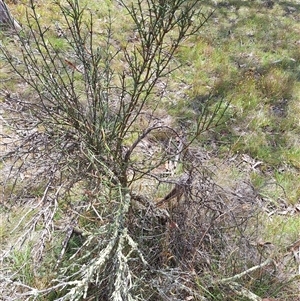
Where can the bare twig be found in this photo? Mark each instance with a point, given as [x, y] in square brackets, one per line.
[238, 276]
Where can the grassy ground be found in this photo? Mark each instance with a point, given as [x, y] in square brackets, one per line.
[249, 54]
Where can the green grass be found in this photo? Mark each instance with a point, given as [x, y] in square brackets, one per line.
[281, 230]
[21, 261]
[249, 54]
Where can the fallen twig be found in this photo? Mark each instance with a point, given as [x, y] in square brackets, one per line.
[238, 276]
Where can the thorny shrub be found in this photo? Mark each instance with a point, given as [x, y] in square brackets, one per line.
[88, 169]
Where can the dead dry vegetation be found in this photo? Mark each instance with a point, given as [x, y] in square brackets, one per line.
[149, 151]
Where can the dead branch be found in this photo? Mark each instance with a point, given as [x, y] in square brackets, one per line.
[239, 289]
[6, 19]
[238, 276]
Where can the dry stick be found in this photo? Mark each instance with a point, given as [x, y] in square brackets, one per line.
[238, 276]
[239, 289]
[6, 17]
